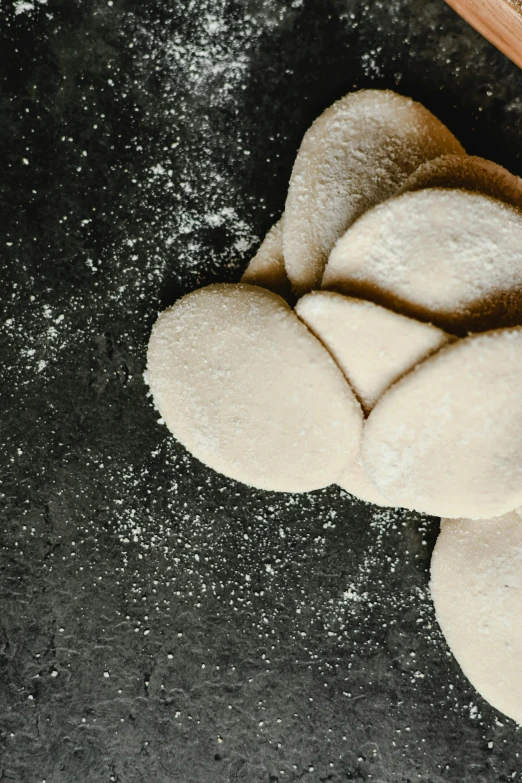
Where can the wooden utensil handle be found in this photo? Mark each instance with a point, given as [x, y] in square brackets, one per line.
[500, 21]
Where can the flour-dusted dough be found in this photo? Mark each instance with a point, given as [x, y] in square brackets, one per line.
[476, 585]
[372, 345]
[447, 438]
[467, 173]
[447, 256]
[355, 155]
[244, 385]
[356, 481]
[267, 267]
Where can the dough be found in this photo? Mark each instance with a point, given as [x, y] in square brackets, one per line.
[356, 154]
[447, 438]
[447, 256]
[267, 268]
[242, 383]
[476, 585]
[467, 173]
[372, 346]
[356, 481]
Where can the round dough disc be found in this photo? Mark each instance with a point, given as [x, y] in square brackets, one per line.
[476, 586]
[447, 438]
[467, 173]
[447, 256]
[355, 155]
[267, 268]
[244, 385]
[373, 346]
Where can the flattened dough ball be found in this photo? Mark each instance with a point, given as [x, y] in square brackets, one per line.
[355, 155]
[447, 256]
[447, 438]
[372, 345]
[467, 172]
[267, 267]
[476, 586]
[244, 385]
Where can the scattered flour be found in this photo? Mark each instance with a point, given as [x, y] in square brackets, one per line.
[174, 545]
[24, 6]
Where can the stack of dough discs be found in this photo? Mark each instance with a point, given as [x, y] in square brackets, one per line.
[355, 155]
[467, 173]
[244, 385]
[275, 398]
[447, 438]
[267, 268]
[447, 256]
[476, 585]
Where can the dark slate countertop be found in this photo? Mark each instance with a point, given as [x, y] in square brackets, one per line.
[159, 622]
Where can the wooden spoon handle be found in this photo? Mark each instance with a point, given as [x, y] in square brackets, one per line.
[500, 21]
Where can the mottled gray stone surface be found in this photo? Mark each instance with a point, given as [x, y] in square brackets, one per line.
[157, 621]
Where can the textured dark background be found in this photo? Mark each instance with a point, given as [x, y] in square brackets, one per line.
[157, 621]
